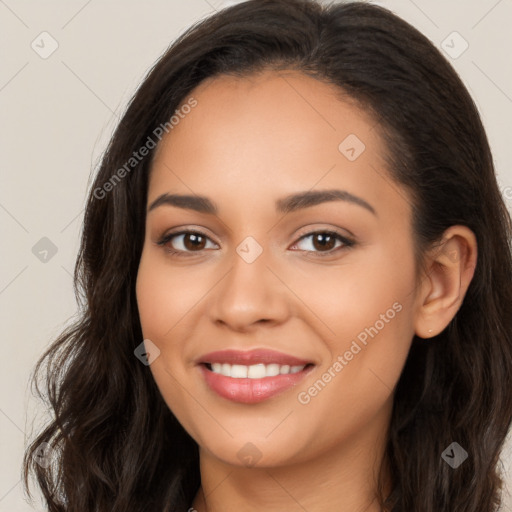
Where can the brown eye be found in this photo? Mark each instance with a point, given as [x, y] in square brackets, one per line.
[323, 241]
[193, 241]
[186, 242]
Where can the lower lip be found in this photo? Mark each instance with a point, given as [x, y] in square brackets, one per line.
[251, 391]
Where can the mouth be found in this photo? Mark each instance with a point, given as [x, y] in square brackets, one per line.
[254, 376]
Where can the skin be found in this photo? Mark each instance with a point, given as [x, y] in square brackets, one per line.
[248, 142]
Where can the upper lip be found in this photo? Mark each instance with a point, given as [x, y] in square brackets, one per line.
[250, 357]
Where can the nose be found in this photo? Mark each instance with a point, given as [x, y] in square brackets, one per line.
[250, 294]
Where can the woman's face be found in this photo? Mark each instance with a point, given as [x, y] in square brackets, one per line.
[285, 315]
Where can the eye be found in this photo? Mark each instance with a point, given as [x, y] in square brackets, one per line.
[323, 242]
[185, 242]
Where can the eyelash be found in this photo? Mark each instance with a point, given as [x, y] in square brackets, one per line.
[347, 243]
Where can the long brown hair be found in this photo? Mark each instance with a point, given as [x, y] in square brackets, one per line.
[114, 446]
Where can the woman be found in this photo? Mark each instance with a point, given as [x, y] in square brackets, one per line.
[341, 340]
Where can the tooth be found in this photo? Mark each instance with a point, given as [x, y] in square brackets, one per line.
[239, 371]
[256, 371]
[272, 370]
[226, 369]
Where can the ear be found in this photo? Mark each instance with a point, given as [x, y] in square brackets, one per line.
[449, 267]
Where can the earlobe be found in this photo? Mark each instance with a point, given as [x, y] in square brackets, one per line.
[450, 267]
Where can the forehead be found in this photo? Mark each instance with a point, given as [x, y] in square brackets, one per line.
[285, 110]
[270, 134]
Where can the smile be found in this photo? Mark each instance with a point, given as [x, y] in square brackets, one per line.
[253, 376]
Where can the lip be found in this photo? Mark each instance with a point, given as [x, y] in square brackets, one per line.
[256, 356]
[251, 391]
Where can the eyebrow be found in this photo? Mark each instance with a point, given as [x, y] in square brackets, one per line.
[286, 204]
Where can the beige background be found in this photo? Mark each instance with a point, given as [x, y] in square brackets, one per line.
[58, 112]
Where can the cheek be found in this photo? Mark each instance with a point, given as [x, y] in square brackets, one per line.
[369, 312]
[371, 315]
[364, 293]
[356, 385]
[379, 316]
[164, 295]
